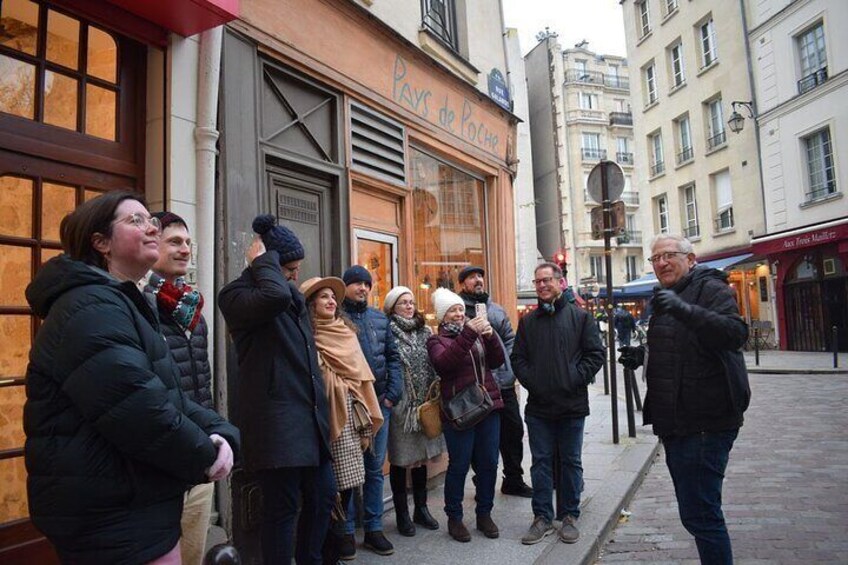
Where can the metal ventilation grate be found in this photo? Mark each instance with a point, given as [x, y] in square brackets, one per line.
[377, 144]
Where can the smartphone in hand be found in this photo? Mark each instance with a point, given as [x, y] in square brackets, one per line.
[480, 311]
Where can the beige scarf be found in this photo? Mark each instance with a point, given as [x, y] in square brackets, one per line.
[345, 370]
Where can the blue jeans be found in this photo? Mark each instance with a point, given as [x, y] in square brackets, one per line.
[480, 445]
[372, 490]
[282, 489]
[696, 464]
[545, 436]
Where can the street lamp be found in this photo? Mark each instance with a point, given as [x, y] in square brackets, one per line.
[737, 120]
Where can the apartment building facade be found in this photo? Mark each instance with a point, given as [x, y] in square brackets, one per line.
[799, 54]
[580, 114]
[689, 65]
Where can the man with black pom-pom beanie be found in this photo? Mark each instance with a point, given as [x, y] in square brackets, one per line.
[282, 406]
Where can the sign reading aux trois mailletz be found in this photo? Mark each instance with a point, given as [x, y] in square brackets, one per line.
[618, 219]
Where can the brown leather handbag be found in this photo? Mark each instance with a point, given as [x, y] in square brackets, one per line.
[429, 413]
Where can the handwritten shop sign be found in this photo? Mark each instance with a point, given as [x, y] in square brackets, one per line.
[451, 112]
[800, 241]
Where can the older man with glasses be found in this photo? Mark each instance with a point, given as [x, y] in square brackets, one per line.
[697, 385]
[556, 355]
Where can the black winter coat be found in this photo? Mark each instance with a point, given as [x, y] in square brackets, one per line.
[281, 405]
[112, 443]
[380, 349]
[191, 354]
[555, 357]
[696, 376]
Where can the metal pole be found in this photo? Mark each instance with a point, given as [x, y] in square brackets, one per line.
[757, 346]
[608, 268]
[606, 375]
[834, 340]
[636, 395]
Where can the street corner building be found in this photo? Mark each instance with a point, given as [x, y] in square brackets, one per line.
[382, 133]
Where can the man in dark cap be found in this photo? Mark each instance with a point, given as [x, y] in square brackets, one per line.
[282, 407]
[472, 281]
[378, 345]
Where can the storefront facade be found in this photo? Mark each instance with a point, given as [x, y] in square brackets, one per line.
[371, 150]
[810, 268]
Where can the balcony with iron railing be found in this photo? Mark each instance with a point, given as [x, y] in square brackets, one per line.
[624, 158]
[823, 191]
[585, 77]
[717, 140]
[630, 198]
[593, 154]
[617, 82]
[685, 155]
[812, 80]
[657, 168]
[692, 231]
[621, 119]
[630, 237]
[724, 221]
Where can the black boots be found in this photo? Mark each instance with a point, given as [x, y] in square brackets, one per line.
[421, 515]
[397, 478]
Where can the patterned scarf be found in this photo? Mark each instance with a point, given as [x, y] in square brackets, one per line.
[452, 329]
[418, 373]
[178, 299]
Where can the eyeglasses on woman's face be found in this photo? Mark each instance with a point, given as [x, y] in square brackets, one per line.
[141, 222]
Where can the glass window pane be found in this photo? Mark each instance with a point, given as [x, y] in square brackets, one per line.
[15, 274]
[100, 108]
[376, 256]
[15, 337]
[63, 39]
[102, 55]
[17, 87]
[47, 254]
[19, 21]
[15, 206]
[13, 504]
[12, 407]
[58, 200]
[60, 100]
[448, 217]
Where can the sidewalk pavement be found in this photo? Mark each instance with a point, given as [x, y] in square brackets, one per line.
[612, 473]
[796, 362]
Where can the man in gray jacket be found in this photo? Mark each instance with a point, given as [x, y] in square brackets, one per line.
[472, 290]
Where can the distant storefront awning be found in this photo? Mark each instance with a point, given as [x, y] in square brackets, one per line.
[644, 286]
[799, 238]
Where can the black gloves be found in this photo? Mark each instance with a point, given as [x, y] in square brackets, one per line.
[632, 357]
[667, 301]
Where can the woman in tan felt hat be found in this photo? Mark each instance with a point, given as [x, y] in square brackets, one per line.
[409, 448]
[355, 414]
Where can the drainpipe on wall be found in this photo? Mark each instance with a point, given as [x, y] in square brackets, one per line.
[206, 137]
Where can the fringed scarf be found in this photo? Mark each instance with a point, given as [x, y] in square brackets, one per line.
[183, 303]
[345, 370]
[418, 373]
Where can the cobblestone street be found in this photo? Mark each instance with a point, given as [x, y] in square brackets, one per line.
[786, 491]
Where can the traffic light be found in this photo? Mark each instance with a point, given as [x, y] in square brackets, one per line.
[560, 259]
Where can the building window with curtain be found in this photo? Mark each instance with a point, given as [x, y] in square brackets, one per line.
[650, 74]
[709, 50]
[812, 57]
[723, 192]
[821, 177]
[630, 268]
[448, 224]
[715, 125]
[655, 145]
[644, 18]
[684, 140]
[662, 214]
[592, 147]
[596, 268]
[691, 229]
[678, 76]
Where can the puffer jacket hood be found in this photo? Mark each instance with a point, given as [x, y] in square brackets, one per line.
[59, 275]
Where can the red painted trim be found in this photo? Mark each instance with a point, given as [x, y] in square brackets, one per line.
[185, 17]
[116, 19]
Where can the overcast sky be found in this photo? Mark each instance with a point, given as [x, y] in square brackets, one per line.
[597, 21]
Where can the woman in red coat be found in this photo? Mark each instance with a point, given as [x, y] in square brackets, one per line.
[464, 353]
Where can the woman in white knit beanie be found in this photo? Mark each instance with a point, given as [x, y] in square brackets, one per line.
[464, 353]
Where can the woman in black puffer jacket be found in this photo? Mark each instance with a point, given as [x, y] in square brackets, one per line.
[112, 443]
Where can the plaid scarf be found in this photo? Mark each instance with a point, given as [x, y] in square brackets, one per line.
[179, 300]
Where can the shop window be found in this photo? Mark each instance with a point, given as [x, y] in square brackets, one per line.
[448, 221]
[72, 83]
